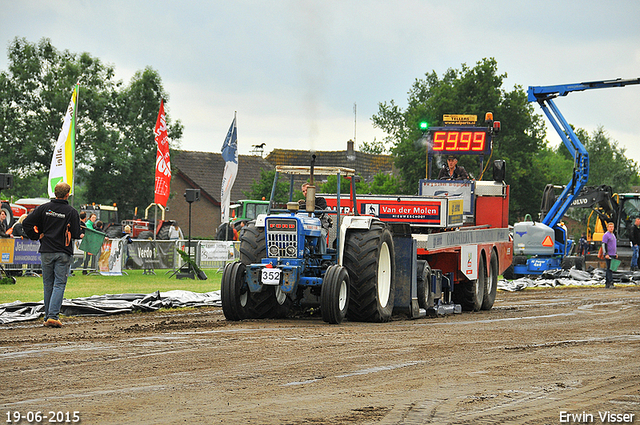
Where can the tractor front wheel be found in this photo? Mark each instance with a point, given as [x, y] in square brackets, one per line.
[234, 292]
[335, 294]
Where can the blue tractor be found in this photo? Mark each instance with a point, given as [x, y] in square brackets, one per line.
[294, 259]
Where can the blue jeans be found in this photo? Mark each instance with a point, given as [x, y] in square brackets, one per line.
[55, 266]
[634, 256]
[609, 273]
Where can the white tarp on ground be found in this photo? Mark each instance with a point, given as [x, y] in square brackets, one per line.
[105, 305]
[571, 277]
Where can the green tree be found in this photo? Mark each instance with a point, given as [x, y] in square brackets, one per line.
[607, 161]
[262, 188]
[115, 147]
[375, 147]
[384, 184]
[469, 91]
[331, 185]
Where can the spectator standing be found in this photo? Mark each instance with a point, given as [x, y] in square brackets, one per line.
[57, 223]
[18, 229]
[583, 245]
[634, 236]
[88, 257]
[609, 245]
[175, 232]
[3, 225]
[91, 223]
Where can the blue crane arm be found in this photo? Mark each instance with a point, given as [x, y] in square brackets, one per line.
[544, 95]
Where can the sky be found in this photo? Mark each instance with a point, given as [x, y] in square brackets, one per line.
[293, 70]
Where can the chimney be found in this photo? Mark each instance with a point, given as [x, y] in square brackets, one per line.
[351, 154]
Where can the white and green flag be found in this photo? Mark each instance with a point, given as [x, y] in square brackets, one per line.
[64, 154]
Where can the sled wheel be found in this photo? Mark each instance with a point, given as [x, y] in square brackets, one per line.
[423, 278]
[470, 293]
[491, 284]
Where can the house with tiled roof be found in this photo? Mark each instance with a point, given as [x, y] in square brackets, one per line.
[204, 170]
[367, 165]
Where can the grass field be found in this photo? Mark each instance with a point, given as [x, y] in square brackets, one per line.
[29, 289]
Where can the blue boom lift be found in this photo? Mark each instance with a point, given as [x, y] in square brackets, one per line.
[542, 246]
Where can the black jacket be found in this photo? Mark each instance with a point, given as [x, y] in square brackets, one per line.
[459, 173]
[58, 221]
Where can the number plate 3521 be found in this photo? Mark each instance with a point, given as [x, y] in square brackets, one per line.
[270, 276]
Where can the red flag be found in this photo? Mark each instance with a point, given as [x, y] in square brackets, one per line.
[163, 164]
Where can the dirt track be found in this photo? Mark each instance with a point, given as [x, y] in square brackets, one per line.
[537, 354]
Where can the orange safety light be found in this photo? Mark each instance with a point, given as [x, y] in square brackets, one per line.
[547, 241]
[488, 117]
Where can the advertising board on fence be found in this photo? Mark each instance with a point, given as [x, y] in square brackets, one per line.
[110, 262]
[19, 251]
[216, 251]
[25, 251]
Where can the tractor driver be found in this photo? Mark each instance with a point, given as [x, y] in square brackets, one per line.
[453, 171]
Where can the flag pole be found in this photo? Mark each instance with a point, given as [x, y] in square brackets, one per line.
[75, 130]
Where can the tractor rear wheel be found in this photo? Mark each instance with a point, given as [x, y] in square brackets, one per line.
[234, 292]
[253, 245]
[370, 261]
[270, 303]
[146, 234]
[163, 233]
[335, 294]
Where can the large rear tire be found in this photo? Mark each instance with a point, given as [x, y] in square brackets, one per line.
[253, 245]
[335, 294]
[163, 233]
[491, 284]
[370, 261]
[573, 261]
[114, 231]
[234, 292]
[270, 303]
[470, 293]
[146, 235]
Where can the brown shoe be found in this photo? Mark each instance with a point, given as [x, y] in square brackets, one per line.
[53, 323]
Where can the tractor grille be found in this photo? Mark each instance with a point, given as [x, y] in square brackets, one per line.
[282, 238]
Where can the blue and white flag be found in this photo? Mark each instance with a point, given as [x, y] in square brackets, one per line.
[230, 156]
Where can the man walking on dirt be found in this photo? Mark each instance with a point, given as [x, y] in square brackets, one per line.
[635, 243]
[609, 243]
[55, 224]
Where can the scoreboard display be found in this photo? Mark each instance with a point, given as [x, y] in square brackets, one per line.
[459, 141]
